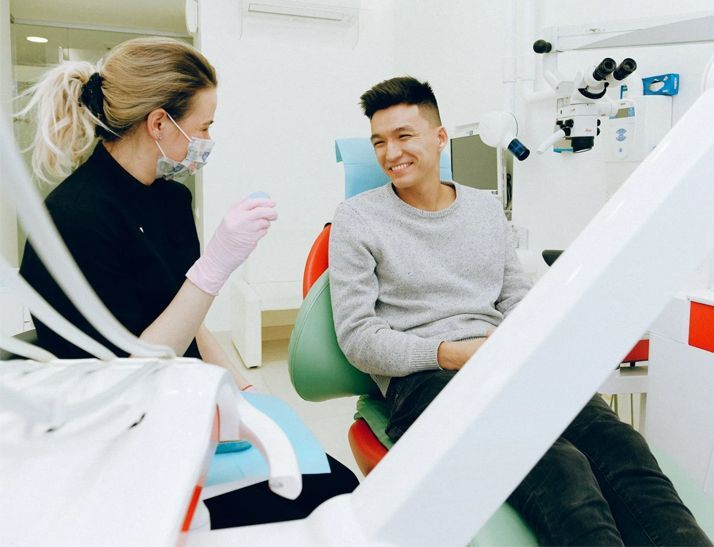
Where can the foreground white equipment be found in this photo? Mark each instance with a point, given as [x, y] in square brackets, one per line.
[592, 300]
[115, 454]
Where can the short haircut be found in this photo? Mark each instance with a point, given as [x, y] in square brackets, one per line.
[401, 90]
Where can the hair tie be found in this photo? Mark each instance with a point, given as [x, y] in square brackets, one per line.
[93, 97]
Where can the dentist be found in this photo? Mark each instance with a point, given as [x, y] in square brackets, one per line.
[129, 224]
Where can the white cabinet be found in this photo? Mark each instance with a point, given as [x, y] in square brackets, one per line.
[250, 300]
[681, 380]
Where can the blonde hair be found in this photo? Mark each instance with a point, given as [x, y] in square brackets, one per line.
[135, 78]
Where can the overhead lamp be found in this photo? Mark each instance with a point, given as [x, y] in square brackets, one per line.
[37, 39]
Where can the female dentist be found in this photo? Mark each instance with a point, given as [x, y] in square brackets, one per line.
[129, 225]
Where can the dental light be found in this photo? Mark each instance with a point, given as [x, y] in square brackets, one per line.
[499, 129]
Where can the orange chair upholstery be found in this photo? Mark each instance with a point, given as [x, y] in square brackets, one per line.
[316, 262]
[366, 448]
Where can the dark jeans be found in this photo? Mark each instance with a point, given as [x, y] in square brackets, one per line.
[598, 484]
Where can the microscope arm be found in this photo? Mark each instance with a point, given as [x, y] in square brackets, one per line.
[550, 141]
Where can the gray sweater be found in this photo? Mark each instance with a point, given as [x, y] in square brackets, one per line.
[403, 280]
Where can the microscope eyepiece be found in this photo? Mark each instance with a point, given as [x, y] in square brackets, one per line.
[626, 67]
[604, 69]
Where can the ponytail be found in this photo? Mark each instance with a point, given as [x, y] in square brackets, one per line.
[65, 127]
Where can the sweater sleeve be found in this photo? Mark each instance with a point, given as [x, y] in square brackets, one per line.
[515, 282]
[366, 339]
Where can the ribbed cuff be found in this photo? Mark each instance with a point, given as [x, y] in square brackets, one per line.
[423, 355]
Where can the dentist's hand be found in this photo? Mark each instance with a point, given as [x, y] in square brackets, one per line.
[245, 223]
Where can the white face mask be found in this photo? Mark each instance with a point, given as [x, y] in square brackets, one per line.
[196, 157]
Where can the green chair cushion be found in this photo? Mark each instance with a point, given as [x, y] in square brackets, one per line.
[374, 411]
[318, 368]
[701, 505]
[505, 527]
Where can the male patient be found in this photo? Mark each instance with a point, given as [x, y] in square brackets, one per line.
[421, 271]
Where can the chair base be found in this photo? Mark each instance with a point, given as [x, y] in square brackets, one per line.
[366, 448]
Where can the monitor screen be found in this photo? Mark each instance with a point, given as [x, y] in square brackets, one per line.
[474, 163]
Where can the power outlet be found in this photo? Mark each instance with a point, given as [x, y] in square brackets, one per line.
[520, 237]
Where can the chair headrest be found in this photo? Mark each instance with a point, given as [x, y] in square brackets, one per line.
[362, 172]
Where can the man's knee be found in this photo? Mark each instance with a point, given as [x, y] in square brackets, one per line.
[600, 433]
[565, 468]
[562, 501]
[561, 473]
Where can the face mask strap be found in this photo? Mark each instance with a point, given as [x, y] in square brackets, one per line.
[179, 127]
[161, 149]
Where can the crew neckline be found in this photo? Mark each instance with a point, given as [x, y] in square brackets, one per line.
[415, 211]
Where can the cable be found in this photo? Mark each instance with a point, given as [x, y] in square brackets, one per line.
[24, 349]
[49, 316]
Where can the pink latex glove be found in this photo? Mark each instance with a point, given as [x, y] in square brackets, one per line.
[235, 238]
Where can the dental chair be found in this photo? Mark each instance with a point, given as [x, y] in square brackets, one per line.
[320, 371]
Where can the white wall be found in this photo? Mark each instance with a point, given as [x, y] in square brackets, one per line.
[8, 220]
[556, 195]
[286, 91]
[459, 45]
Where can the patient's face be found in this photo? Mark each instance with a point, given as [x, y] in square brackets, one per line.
[407, 145]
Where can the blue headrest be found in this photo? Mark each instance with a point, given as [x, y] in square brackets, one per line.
[362, 172]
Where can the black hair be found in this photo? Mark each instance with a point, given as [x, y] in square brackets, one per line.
[401, 90]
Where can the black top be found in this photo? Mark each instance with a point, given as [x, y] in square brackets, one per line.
[133, 242]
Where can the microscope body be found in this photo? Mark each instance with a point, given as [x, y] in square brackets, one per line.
[583, 100]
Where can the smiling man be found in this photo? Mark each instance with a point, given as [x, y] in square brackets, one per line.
[421, 271]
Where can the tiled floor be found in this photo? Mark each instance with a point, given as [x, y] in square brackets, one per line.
[328, 420]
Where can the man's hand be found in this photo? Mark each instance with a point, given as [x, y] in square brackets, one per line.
[453, 355]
